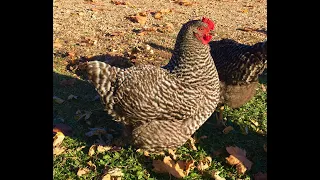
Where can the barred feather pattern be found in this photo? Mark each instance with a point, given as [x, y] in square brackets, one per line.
[239, 67]
[239, 63]
[164, 108]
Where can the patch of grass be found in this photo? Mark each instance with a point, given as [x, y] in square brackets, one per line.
[134, 164]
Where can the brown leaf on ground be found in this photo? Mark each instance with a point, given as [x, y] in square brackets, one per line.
[184, 2]
[168, 27]
[118, 2]
[204, 164]
[112, 174]
[192, 144]
[172, 154]
[264, 89]
[57, 44]
[83, 171]
[101, 149]
[65, 129]
[260, 176]
[215, 175]
[92, 166]
[58, 150]
[69, 82]
[140, 18]
[58, 138]
[227, 129]
[57, 100]
[92, 150]
[178, 170]
[161, 13]
[238, 157]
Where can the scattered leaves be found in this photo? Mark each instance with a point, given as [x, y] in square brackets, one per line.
[172, 154]
[71, 96]
[57, 44]
[102, 149]
[264, 89]
[140, 18]
[227, 129]
[83, 171]
[58, 138]
[58, 100]
[204, 164]
[113, 174]
[192, 144]
[238, 157]
[92, 150]
[69, 82]
[118, 2]
[92, 166]
[178, 170]
[215, 175]
[146, 30]
[65, 129]
[58, 150]
[260, 176]
[184, 2]
[168, 27]
[161, 13]
[95, 131]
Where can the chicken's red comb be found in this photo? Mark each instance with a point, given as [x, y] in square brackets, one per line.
[209, 22]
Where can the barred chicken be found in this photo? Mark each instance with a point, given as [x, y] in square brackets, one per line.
[162, 109]
[239, 67]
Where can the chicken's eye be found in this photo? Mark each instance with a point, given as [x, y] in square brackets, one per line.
[200, 29]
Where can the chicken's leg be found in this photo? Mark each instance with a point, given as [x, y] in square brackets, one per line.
[220, 122]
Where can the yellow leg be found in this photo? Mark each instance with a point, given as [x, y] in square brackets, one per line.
[220, 117]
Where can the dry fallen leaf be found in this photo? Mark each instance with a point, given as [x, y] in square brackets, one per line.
[204, 164]
[172, 154]
[57, 44]
[215, 175]
[83, 171]
[58, 100]
[158, 15]
[92, 166]
[192, 144]
[168, 27]
[92, 150]
[117, 33]
[264, 89]
[71, 96]
[113, 174]
[140, 18]
[184, 2]
[238, 157]
[58, 138]
[227, 129]
[65, 129]
[260, 176]
[247, 29]
[102, 149]
[58, 150]
[178, 170]
[119, 2]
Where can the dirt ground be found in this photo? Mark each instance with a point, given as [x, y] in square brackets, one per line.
[99, 27]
